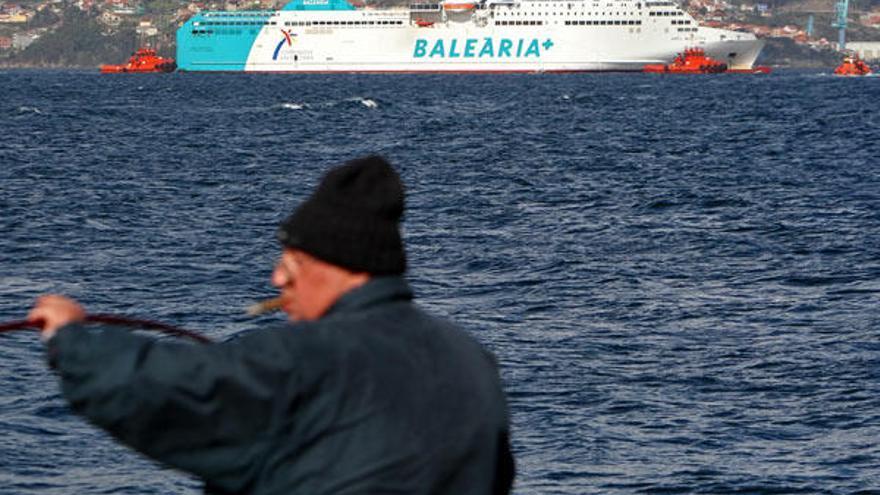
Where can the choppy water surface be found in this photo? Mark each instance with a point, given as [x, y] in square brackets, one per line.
[680, 275]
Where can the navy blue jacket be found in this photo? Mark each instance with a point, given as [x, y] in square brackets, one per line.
[374, 397]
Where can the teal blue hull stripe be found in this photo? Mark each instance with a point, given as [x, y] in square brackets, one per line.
[222, 41]
[318, 5]
[213, 42]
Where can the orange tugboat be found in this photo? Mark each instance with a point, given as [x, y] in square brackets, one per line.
[852, 65]
[143, 60]
[692, 61]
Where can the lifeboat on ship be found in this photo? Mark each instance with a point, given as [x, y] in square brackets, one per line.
[852, 65]
[691, 61]
[423, 23]
[143, 60]
[458, 6]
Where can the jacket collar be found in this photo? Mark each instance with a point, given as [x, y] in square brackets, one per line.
[377, 290]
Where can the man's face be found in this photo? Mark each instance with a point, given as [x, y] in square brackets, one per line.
[305, 293]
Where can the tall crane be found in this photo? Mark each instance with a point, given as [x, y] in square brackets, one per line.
[841, 7]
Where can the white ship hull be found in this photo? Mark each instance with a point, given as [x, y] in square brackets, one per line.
[555, 36]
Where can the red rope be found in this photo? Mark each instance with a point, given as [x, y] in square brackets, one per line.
[113, 320]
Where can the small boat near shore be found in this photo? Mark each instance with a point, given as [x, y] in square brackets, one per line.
[852, 65]
[695, 61]
[144, 60]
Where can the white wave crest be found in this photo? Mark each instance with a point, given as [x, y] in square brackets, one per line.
[367, 102]
[98, 225]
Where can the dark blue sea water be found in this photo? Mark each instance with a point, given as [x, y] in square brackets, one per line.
[680, 276]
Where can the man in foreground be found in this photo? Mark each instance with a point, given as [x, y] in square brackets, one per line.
[362, 393]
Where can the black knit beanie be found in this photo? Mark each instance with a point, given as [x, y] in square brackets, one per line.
[352, 219]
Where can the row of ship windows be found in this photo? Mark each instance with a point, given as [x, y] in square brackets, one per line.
[504, 14]
[343, 23]
[519, 23]
[235, 32]
[687, 30]
[665, 14]
[603, 23]
[237, 14]
[239, 31]
[682, 22]
[235, 23]
[436, 6]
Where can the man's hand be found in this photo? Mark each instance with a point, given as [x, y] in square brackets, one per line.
[56, 311]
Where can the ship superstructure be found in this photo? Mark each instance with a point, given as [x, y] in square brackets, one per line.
[455, 36]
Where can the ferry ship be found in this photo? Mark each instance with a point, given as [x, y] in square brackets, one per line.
[455, 36]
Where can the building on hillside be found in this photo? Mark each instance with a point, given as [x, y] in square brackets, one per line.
[22, 18]
[20, 41]
[146, 28]
[11, 8]
[131, 11]
[868, 50]
[871, 19]
[5, 43]
[110, 19]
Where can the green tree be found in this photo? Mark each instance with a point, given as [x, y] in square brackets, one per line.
[80, 41]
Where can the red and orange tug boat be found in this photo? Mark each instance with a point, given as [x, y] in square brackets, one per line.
[852, 65]
[692, 61]
[143, 60]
